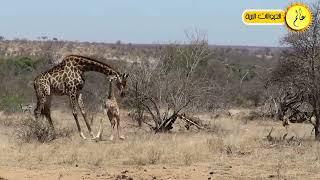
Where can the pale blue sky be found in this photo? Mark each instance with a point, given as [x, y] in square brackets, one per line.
[138, 21]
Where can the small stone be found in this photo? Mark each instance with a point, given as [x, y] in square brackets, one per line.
[211, 172]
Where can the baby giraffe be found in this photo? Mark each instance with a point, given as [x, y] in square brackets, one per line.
[111, 109]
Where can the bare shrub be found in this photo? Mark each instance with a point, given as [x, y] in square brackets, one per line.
[31, 130]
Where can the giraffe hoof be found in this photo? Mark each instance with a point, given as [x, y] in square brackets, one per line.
[98, 135]
[111, 138]
[83, 136]
[122, 138]
[96, 139]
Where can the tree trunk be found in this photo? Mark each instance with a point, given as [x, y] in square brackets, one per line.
[317, 133]
[167, 124]
[317, 115]
[317, 126]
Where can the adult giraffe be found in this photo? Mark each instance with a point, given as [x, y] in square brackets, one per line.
[66, 78]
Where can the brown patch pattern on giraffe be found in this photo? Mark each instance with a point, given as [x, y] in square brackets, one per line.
[67, 79]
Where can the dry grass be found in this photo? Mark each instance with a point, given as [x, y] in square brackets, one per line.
[234, 149]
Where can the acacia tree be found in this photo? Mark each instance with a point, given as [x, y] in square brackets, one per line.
[298, 73]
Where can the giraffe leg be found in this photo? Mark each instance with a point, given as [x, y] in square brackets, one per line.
[40, 105]
[118, 127]
[83, 112]
[91, 121]
[100, 131]
[73, 102]
[37, 110]
[113, 123]
[46, 111]
[99, 134]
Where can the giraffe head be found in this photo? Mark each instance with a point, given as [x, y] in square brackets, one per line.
[121, 83]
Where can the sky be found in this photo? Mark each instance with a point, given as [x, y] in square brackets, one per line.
[139, 21]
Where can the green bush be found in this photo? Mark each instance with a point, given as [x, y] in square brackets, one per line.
[16, 76]
[11, 103]
[22, 65]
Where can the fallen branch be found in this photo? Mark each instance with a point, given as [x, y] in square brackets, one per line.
[183, 117]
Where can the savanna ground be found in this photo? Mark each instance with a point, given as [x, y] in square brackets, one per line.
[233, 148]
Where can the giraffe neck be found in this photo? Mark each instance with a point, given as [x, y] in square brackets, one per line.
[111, 93]
[88, 64]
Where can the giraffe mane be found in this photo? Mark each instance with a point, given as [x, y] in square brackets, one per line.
[93, 60]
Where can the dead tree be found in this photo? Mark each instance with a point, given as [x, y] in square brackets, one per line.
[165, 87]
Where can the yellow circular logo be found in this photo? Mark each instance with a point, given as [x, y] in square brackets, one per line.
[299, 17]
